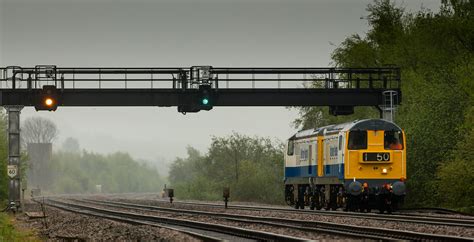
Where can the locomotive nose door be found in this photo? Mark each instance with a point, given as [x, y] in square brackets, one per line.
[341, 154]
[310, 158]
[321, 156]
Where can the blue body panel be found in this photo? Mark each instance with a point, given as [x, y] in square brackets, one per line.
[336, 170]
[301, 171]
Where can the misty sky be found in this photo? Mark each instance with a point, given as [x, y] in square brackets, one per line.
[141, 33]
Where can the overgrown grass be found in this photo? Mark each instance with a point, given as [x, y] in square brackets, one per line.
[9, 233]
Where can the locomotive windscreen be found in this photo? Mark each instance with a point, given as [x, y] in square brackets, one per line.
[357, 140]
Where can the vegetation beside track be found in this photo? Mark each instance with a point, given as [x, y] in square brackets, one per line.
[9, 233]
[251, 167]
[435, 51]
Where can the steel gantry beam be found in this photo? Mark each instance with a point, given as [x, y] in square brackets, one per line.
[180, 86]
[225, 97]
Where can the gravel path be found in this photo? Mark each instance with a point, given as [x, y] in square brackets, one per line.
[425, 228]
[61, 225]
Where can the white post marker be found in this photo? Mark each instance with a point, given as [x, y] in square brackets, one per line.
[12, 171]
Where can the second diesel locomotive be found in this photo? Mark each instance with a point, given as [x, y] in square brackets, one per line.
[359, 165]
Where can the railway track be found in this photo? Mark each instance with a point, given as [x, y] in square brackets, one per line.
[436, 210]
[199, 230]
[308, 226]
[410, 218]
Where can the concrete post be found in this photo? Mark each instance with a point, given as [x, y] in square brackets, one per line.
[14, 185]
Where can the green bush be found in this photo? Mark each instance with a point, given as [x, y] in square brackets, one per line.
[251, 167]
[9, 233]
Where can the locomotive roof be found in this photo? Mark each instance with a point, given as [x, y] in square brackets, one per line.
[365, 124]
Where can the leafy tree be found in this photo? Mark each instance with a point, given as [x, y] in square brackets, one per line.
[251, 166]
[435, 53]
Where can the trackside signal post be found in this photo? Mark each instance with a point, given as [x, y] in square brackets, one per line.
[13, 129]
[190, 89]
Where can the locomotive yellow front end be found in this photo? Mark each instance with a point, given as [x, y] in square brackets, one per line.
[375, 166]
[376, 154]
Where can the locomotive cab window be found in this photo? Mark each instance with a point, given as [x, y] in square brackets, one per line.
[393, 140]
[291, 147]
[357, 140]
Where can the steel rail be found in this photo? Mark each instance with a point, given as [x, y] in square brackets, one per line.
[352, 230]
[244, 219]
[154, 220]
[423, 219]
[438, 210]
[135, 222]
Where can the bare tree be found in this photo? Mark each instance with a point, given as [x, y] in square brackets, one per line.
[38, 130]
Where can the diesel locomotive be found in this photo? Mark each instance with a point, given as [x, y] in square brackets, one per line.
[359, 165]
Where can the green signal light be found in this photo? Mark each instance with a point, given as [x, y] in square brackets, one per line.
[205, 101]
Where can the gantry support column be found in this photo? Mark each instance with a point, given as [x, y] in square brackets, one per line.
[14, 185]
[390, 101]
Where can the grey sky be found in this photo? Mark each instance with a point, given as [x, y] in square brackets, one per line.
[174, 33]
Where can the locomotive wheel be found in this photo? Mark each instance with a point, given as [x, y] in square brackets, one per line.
[299, 205]
[322, 201]
[290, 196]
[312, 203]
[300, 202]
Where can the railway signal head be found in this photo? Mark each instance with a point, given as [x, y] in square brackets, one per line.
[203, 99]
[48, 99]
[206, 98]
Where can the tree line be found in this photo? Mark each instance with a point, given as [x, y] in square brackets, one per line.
[252, 167]
[72, 170]
[435, 53]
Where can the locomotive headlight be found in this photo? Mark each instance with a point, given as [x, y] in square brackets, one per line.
[384, 170]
